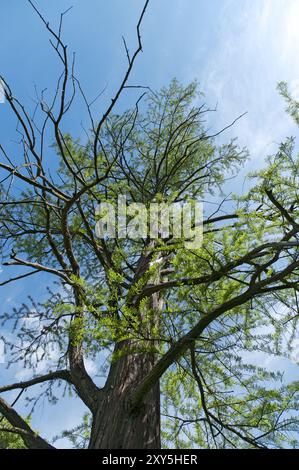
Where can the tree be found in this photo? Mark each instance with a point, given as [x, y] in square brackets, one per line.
[175, 324]
[9, 438]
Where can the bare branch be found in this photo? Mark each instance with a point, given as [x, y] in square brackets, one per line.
[57, 375]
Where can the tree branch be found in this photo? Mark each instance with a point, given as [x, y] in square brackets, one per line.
[31, 439]
[184, 342]
[60, 374]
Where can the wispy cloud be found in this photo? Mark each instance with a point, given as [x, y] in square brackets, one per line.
[255, 46]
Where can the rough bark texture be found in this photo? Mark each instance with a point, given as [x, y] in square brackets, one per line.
[115, 426]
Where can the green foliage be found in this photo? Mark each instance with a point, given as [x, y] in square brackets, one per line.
[78, 436]
[9, 440]
[212, 396]
[292, 104]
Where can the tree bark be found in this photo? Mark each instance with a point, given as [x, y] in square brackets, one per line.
[115, 425]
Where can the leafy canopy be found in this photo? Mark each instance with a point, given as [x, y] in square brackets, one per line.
[203, 312]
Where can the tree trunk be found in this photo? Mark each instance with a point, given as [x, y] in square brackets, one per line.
[115, 426]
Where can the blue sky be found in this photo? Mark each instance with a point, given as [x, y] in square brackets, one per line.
[237, 49]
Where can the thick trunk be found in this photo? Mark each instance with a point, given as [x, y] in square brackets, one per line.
[114, 424]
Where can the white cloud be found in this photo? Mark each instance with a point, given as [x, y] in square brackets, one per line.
[40, 364]
[255, 47]
[91, 366]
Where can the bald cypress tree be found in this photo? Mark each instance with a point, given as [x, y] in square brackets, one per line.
[170, 328]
